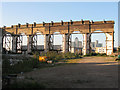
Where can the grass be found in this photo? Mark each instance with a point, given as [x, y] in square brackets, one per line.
[28, 64]
[54, 56]
[25, 66]
[98, 54]
[31, 63]
[70, 60]
[22, 84]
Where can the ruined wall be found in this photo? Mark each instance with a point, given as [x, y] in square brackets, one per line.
[66, 28]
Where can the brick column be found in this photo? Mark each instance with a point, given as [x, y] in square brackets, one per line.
[109, 43]
[86, 43]
[65, 43]
[46, 41]
[14, 43]
[29, 44]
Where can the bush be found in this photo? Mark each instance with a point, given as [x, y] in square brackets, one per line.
[36, 55]
[59, 56]
[67, 55]
[70, 55]
[96, 54]
[119, 49]
[86, 55]
[51, 55]
[101, 54]
[28, 64]
[93, 54]
[77, 56]
[21, 66]
[5, 66]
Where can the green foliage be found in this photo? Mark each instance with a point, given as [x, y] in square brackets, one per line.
[69, 55]
[21, 66]
[96, 54]
[5, 66]
[119, 49]
[86, 55]
[103, 54]
[54, 56]
[28, 64]
[51, 55]
[118, 56]
[59, 56]
[36, 55]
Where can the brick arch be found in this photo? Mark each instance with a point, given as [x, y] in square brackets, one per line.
[38, 30]
[97, 31]
[57, 33]
[35, 33]
[25, 33]
[109, 40]
[60, 31]
[76, 31]
[86, 27]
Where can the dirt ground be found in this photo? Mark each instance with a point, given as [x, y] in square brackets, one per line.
[88, 72]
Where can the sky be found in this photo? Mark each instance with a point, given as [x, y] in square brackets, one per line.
[119, 24]
[29, 12]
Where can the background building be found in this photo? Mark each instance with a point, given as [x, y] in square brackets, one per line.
[77, 43]
[96, 44]
[76, 46]
[100, 50]
[98, 47]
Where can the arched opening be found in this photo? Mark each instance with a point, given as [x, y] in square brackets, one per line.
[98, 42]
[40, 41]
[7, 43]
[24, 42]
[24, 39]
[57, 41]
[19, 43]
[76, 42]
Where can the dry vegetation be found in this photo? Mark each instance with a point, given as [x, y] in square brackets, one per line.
[67, 62]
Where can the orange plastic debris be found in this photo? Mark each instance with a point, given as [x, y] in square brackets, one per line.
[42, 58]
